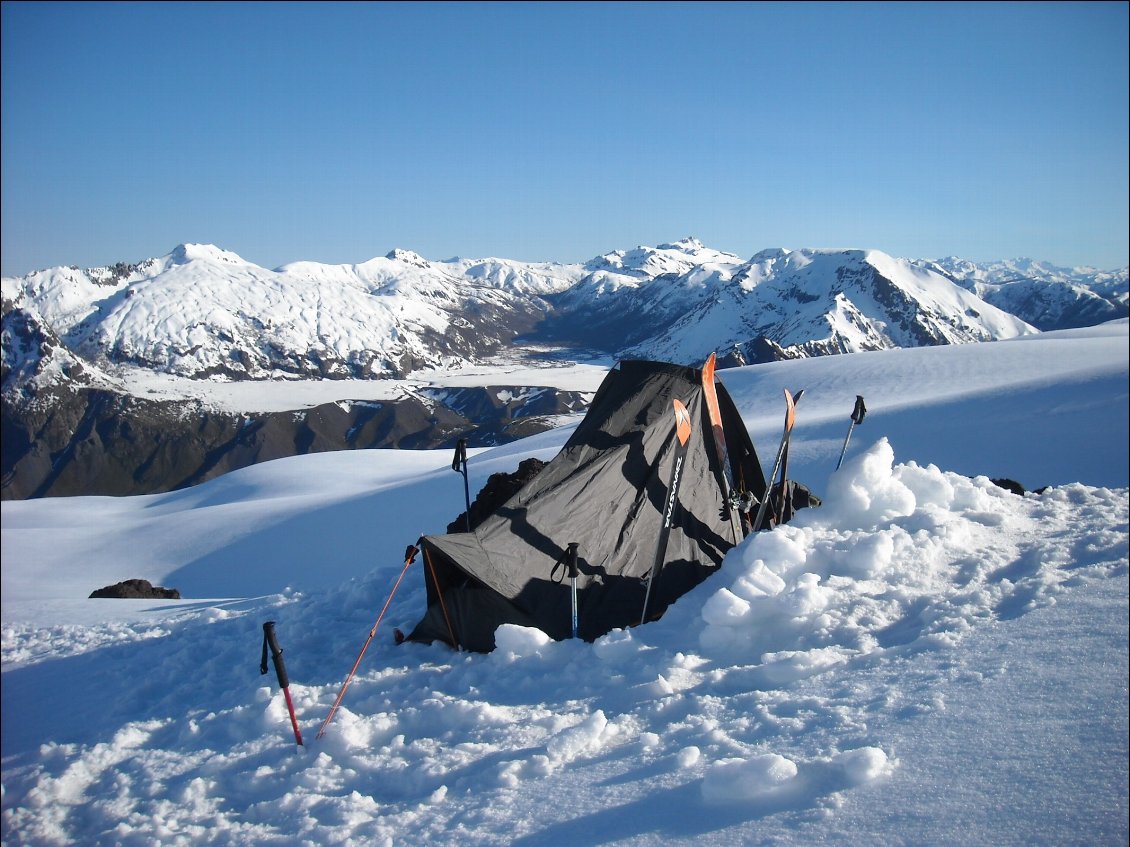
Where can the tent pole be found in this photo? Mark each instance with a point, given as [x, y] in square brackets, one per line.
[439, 593]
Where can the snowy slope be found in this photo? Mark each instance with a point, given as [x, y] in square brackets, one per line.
[924, 659]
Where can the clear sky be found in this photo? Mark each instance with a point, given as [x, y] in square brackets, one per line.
[335, 132]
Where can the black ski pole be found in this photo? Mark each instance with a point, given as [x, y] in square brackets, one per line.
[271, 641]
[460, 464]
[856, 418]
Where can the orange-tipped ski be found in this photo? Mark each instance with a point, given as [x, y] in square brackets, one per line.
[683, 427]
[790, 419]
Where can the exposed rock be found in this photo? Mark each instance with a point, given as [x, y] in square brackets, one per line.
[136, 589]
[500, 487]
[1009, 485]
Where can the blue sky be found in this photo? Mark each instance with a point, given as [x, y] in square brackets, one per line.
[336, 132]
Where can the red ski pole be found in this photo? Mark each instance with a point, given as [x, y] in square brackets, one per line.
[270, 640]
[409, 557]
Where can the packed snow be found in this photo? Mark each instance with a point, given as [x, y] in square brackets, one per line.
[926, 658]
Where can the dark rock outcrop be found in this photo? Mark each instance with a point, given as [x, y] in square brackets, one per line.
[135, 589]
[500, 487]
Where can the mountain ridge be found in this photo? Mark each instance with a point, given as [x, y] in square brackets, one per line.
[74, 342]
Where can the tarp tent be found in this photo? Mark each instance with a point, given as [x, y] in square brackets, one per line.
[606, 492]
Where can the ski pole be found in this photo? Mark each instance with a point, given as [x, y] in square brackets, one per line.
[790, 419]
[409, 557]
[271, 641]
[856, 418]
[572, 560]
[460, 464]
[568, 563]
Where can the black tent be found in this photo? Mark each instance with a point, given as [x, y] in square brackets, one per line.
[606, 492]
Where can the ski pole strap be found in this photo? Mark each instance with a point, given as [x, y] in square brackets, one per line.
[460, 459]
[567, 563]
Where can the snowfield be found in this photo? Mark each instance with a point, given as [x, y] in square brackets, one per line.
[926, 658]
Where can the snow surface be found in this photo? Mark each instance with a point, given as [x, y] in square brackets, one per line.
[925, 659]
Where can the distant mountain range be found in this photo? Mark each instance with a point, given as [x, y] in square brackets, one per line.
[204, 314]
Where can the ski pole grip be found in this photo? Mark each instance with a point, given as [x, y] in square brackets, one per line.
[572, 559]
[272, 641]
[460, 455]
[859, 411]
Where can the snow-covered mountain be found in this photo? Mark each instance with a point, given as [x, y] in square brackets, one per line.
[1045, 296]
[81, 348]
[205, 313]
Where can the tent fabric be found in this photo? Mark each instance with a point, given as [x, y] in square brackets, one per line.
[605, 491]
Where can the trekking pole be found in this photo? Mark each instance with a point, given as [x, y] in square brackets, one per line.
[568, 562]
[409, 557]
[271, 641]
[790, 419]
[459, 463]
[856, 418]
[572, 562]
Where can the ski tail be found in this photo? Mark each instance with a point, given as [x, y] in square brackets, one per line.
[710, 393]
[683, 428]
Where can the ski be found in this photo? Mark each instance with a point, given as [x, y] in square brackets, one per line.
[790, 418]
[711, 394]
[683, 436]
[783, 498]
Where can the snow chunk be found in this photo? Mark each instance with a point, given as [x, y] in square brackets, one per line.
[724, 608]
[736, 780]
[586, 737]
[516, 642]
[863, 765]
[616, 646]
[868, 494]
